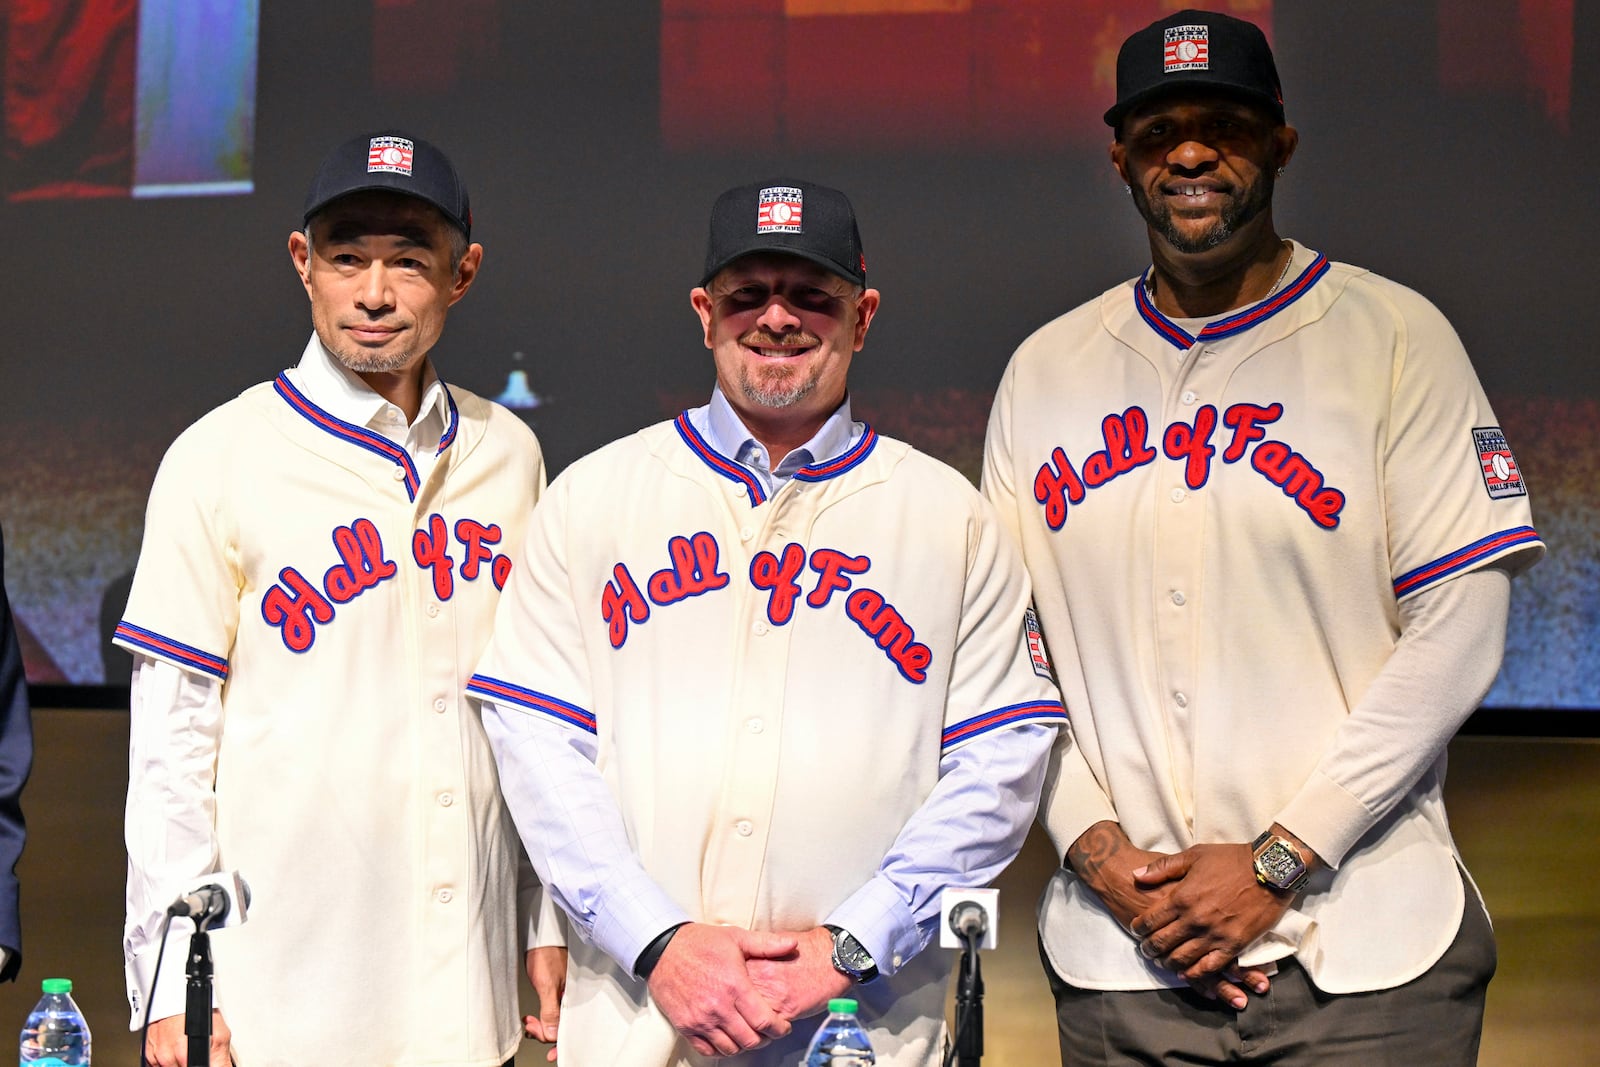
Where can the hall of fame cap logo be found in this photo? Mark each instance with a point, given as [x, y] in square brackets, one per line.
[1186, 48]
[1501, 475]
[778, 210]
[389, 155]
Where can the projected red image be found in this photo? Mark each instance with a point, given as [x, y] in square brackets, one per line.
[892, 75]
[112, 98]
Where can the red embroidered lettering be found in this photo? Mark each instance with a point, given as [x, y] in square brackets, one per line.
[475, 538]
[1246, 420]
[295, 611]
[500, 570]
[621, 602]
[1192, 444]
[360, 547]
[1125, 449]
[867, 608]
[1055, 486]
[693, 570]
[833, 570]
[1293, 473]
[429, 549]
[778, 578]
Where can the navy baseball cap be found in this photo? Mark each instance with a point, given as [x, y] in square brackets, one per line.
[1197, 50]
[395, 162]
[787, 215]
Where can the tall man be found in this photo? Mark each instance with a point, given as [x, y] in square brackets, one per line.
[1270, 522]
[322, 558]
[763, 687]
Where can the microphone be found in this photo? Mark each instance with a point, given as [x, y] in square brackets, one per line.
[972, 918]
[969, 921]
[221, 899]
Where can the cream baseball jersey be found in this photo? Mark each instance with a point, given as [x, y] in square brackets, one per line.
[1220, 526]
[342, 601]
[771, 683]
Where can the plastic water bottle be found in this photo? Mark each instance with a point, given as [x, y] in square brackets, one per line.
[841, 1041]
[56, 1034]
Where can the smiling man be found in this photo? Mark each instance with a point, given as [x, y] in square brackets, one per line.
[763, 688]
[321, 562]
[1271, 524]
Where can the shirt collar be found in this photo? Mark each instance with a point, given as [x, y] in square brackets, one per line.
[340, 392]
[727, 433]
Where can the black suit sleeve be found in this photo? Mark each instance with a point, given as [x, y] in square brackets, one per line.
[16, 761]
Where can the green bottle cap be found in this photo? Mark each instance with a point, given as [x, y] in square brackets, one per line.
[56, 985]
[842, 1006]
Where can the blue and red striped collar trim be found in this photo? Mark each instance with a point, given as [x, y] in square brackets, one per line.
[734, 472]
[362, 437]
[1253, 315]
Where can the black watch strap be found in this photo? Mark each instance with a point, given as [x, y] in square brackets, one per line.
[652, 952]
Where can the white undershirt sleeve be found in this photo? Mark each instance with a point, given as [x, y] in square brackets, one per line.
[1451, 642]
[175, 722]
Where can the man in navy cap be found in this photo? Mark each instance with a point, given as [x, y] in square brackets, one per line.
[321, 562]
[1271, 524]
[762, 687]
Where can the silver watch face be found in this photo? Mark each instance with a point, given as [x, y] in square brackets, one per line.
[1278, 865]
[849, 956]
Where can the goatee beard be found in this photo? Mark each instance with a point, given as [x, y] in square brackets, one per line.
[1238, 212]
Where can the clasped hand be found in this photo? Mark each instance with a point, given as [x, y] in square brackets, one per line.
[729, 990]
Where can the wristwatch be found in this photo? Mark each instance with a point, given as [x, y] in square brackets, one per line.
[850, 957]
[1278, 863]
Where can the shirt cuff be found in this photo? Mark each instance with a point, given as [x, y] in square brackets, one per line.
[1327, 817]
[876, 916]
[140, 971]
[631, 915]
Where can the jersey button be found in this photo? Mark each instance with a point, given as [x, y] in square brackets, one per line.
[399, 474]
[1178, 597]
[744, 828]
[444, 896]
[439, 705]
[755, 726]
[433, 611]
[759, 629]
[445, 800]
[1180, 700]
[1177, 496]
[1189, 396]
[746, 533]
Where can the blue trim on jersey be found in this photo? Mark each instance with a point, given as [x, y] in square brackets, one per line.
[1178, 337]
[1464, 559]
[1040, 711]
[364, 438]
[486, 688]
[819, 472]
[166, 648]
[718, 462]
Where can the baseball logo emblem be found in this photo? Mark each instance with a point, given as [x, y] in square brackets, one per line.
[1502, 477]
[1186, 48]
[389, 155]
[1502, 468]
[778, 210]
[1187, 51]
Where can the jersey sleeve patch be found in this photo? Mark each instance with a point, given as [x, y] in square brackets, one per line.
[1035, 638]
[486, 688]
[161, 647]
[1048, 712]
[1501, 475]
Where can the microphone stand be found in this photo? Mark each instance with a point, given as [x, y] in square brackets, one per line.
[197, 998]
[969, 1004]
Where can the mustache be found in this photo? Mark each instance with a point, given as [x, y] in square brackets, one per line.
[766, 339]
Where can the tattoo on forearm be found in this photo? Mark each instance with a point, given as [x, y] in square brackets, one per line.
[1094, 849]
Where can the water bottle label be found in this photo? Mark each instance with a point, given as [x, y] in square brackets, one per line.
[48, 1061]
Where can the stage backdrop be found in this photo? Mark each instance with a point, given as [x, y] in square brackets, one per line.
[156, 153]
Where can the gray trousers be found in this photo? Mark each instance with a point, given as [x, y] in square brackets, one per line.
[1434, 1020]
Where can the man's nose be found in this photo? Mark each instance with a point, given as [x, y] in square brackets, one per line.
[375, 293]
[778, 317]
